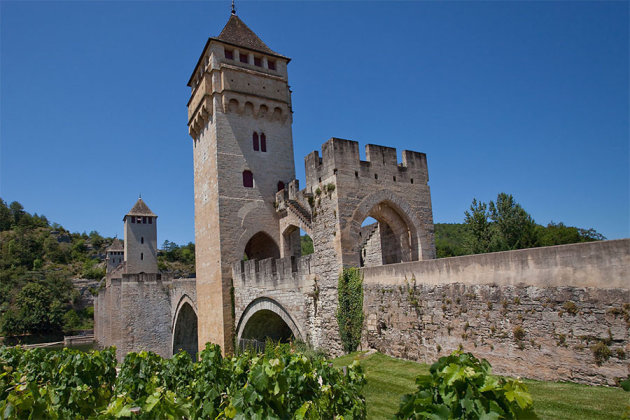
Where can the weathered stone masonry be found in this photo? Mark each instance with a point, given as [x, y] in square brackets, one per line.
[538, 313]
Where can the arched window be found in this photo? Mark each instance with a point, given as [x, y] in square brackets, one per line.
[248, 179]
[263, 142]
[280, 185]
[255, 140]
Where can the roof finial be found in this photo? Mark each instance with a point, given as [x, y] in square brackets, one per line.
[233, 8]
[140, 196]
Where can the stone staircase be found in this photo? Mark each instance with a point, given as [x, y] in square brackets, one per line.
[300, 212]
[366, 233]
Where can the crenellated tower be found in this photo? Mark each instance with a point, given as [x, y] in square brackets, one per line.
[239, 117]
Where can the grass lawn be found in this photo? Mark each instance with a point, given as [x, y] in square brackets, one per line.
[388, 379]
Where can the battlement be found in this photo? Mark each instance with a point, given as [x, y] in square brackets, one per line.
[341, 157]
[293, 271]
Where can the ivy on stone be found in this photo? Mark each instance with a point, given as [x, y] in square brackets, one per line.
[350, 308]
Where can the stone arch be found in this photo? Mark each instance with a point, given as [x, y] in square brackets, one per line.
[290, 241]
[184, 327]
[397, 214]
[233, 106]
[254, 219]
[261, 246]
[277, 113]
[266, 318]
[249, 108]
[262, 111]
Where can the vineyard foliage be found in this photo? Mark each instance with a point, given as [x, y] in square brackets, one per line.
[461, 387]
[280, 384]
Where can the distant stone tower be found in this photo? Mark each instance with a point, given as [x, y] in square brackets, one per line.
[239, 116]
[114, 255]
[140, 239]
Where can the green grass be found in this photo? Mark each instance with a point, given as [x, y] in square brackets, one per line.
[388, 379]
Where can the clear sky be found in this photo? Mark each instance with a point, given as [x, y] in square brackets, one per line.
[528, 98]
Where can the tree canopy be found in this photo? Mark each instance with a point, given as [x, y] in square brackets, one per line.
[503, 225]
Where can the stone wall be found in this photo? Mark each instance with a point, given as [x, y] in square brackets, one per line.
[554, 313]
[137, 312]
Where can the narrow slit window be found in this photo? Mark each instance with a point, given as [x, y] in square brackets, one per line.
[255, 141]
[142, 255]
[142, 239]
[263, 142]
[248, 179]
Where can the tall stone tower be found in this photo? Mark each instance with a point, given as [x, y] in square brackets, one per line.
[140, 239]
[239, 116]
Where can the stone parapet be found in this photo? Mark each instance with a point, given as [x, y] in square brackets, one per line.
[601, 264]
[272, 273]
[339, 155]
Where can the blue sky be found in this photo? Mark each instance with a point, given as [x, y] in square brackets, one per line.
[529, 98]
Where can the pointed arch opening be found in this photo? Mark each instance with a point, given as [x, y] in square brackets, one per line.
[386, 237]
[185, 330]
[261, 246]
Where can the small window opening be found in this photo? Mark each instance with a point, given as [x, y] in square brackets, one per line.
[375, 176]
[255, 141]
[144, 220]
[320, 179]
[229, 54]
[258, 61]
[142, 255]
[412, 180]
[248, 179]
[243, 57]
[394, 178]
[142, 239]
[335, 171]
[150, 220]
[263, 142]
[280, 185]
[356, 174]
[271, 64]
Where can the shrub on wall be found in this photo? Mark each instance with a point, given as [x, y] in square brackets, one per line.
[350, 308]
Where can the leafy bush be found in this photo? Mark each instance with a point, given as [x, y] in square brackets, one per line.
[461, 387]
[350, 308]
[282, 384]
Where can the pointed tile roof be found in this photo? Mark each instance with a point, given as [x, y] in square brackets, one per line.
[140, 209]
[117, 245]
[237, 33]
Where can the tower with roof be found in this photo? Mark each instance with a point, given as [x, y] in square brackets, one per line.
[114, 255]
[140, 248]
[239, 117]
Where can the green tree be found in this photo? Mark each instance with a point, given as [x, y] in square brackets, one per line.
[479, 231]
[17, 211]
[514, 227]
[6, 218]
[307, 244]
